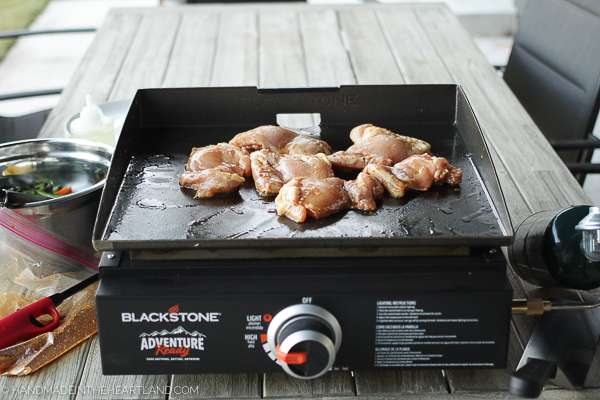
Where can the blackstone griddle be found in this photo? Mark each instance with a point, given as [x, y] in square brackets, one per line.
[224, 285]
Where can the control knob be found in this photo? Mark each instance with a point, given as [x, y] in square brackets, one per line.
[305, 338]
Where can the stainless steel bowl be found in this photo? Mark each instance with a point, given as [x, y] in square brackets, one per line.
[80, 164]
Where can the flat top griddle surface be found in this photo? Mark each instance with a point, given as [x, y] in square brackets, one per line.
[153, 212]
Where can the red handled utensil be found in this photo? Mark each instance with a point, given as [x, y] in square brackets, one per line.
[23, 324]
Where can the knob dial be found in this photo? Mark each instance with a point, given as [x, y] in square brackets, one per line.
[306, 339]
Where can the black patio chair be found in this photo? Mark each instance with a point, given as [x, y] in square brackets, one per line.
[554, 70]
[28, 126]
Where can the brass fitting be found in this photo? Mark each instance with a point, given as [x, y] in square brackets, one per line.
[530, 306]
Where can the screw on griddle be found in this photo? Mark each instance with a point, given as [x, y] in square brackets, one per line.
[110, 256]
[493, 251]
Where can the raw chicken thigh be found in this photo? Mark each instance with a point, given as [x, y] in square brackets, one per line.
[271, 171]
[317, 198]
[279, 140]
[374, 145]
[209, 182]
[216, 169]
[418, 172]
[222, 157]
[363, 191]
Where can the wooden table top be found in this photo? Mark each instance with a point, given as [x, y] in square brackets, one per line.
[299, 45]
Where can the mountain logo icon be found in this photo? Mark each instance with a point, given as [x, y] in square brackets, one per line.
[177, 331]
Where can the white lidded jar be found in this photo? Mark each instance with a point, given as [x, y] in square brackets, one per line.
[92, 124]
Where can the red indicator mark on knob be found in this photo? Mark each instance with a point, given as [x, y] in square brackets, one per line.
[294, 357]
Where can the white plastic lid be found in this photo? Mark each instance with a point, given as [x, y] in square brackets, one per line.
[91, 116]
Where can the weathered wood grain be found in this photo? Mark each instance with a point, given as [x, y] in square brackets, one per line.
[327, 61]
[400, 383]
[281, 51]
[331, 384]
[148, 56]
[412, 50]
[557, 394]
[371, 57]
[237, 386]
[236, 59]
[192, 57]
[282, 58]
[95, 385]
[97, 71]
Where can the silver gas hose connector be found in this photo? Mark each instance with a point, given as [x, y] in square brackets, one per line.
[590, 228]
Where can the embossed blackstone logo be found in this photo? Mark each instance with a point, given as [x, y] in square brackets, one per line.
[322, 100]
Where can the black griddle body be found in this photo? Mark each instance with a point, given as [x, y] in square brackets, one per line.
[395, 313]
[165, 307]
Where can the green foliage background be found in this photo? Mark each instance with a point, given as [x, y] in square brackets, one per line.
[17, 14]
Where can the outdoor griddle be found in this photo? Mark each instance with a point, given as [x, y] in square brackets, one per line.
[225, 285]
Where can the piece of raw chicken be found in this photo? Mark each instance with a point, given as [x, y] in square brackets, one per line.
[317, 198]
[271, 171]
[375, 145]
[209, 182]
[223, 157]
[216, 169]
[417, 172]
[279, 140]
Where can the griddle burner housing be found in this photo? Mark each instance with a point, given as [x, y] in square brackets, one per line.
[408, 313]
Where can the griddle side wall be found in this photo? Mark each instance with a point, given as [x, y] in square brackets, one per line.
[126, 146]
[468, 128]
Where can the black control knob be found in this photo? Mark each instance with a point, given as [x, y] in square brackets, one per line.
[305, 339]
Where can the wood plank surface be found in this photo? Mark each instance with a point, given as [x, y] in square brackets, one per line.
[148, 57]
[95, 385]
[332, 384]
[191, 60]
[413, 51]
[226, 386]
[236, 59]
[327, 61]
[404, 383]
[372, 59]
[281, 52]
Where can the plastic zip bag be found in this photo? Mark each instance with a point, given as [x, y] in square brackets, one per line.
[34, 264]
